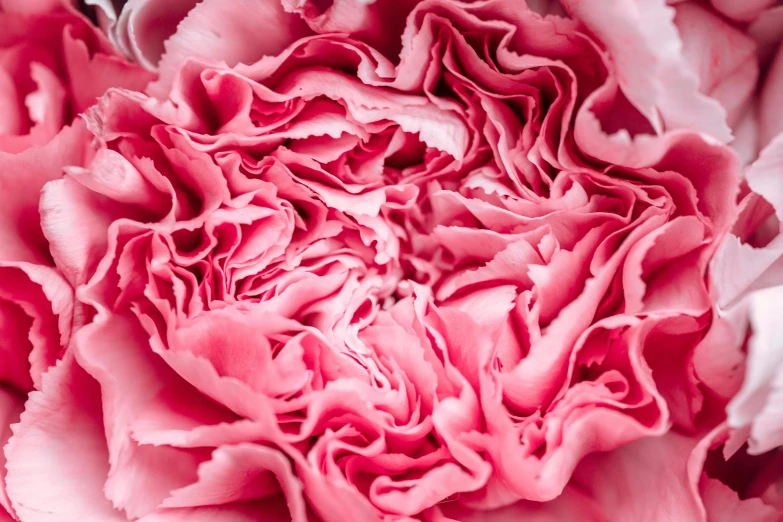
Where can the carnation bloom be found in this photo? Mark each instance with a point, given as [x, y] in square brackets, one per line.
[317, 281]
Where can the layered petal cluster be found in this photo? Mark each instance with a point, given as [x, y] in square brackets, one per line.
[705, 477]
[53, 65]
[748, 279]
[375, 262]
[746, 271]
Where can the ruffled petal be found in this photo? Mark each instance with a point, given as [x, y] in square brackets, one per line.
[210, 32]
[60, 442]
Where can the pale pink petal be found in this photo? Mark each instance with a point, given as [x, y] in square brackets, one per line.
[647, 52]
[758, 403]
[740, 267]
[722, 56]
[231, 36]
[142, 27]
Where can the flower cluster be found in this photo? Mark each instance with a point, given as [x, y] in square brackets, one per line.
[386, 261]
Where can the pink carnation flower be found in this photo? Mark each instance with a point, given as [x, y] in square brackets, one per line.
[386, 261]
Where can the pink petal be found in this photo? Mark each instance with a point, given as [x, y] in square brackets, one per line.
[11, 406]
[201, 35]
[723, 58]
[243, 472]
[771, 101]
[31, 7]
[739, 267]
[731, 483]
[718, 361]
[116, 352]
[651, 71]
[37, 308]
[572, 506]
[744, 11]
[377, 22]
[92, 74]
[60, 442]
[23, 175]
[245, 512]
[645, 480]
[724, 505]
[76, 232]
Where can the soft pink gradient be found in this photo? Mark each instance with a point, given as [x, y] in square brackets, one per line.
[390, 261]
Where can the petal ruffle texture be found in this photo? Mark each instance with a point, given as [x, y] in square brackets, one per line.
[349, 260]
